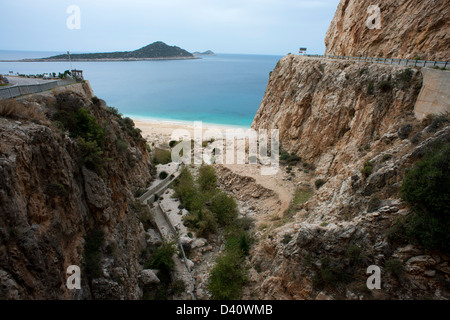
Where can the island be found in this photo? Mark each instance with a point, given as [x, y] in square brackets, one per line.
[206, 53]
[155, 51]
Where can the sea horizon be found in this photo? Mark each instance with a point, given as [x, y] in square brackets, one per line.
[224, 89]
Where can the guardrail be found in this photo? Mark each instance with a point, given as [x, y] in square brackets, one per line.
[392, 61]
[20, 90]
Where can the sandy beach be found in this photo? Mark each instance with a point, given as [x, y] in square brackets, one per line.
[160, 131]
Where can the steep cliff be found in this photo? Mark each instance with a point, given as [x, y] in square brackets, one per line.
[320, 105]
[408, 29]
[354, 128]
[69, 167]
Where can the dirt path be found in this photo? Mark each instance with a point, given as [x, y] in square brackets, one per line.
[278, 183]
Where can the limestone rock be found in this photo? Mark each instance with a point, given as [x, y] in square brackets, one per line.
[409, 28]
[148, 277]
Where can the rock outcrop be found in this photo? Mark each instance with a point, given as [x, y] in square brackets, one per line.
[353, 123]
[409, 29]
[319, 105]
[52, 203]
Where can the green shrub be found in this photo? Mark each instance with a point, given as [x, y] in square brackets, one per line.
[202, 221]
[437, 122]
[56, 190]
[128, 125]
[91, 155]
[370, 88]
[173, 143]
[186, 191]
[162, 156]
[121, 146]
[367, 169]
[284, 155]
[404, 78]
[87, 127]
[162, 175]
[385, 86]
[426, 187]
[224, 207]
[95, 100]
[228, 277]
[328, 274]
[162, 257]
[319, 183]
[294, 159]
[239, 241]
[394, 267]
[386, 157]
[114, 111]
[207, 179]
[354, 253]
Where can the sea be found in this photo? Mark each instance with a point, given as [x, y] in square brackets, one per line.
[224, 89]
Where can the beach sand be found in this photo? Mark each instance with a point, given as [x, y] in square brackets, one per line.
[160, 131]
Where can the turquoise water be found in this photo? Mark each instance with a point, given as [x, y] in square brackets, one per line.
[222, 89]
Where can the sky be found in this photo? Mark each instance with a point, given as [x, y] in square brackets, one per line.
[273, 27]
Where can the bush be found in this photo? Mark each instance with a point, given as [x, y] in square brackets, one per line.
[225, 208]
[228, 277]
[319, 183]
[162, 156]
[385, 86]
[202, 221]
[437, 122]
[404, 78]
[370, 88]
[162, 257]
[239, 241]
[294, 159]
[128, 125]
[162, 175]
[367, 169]
[56, 190]
[354, 253]
[91, 155]
[394, 267]
[95, 100]
[186, 191]
[405, 131]
[386, 157]
[426, 187]
[328, 274]
[207, 179]
[284, 155]
[121, 146]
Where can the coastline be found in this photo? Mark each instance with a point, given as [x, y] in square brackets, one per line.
[103, 60]
[160, 130]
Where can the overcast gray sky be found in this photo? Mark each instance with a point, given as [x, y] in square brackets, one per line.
[224, 26]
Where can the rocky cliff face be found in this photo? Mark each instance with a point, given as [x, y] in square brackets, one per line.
[59, 208]
[409, 29]
[320, 106]
[342, 117]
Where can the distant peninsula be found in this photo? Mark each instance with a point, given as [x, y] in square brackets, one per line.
[206, 53]
[155, 51]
